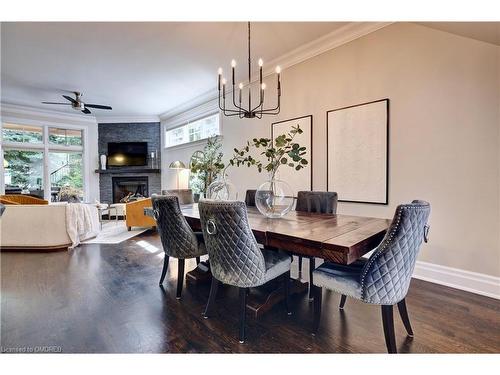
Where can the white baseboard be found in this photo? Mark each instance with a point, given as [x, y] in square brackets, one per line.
[474, 282]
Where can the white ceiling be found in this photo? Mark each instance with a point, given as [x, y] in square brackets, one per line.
[140, 69]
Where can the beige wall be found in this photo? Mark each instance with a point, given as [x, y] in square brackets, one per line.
[444, 133]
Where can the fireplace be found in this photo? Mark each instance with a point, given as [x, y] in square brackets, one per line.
[135, 187]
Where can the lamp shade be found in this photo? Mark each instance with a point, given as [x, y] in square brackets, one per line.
[177, 165]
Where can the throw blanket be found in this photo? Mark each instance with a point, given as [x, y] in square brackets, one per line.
[82, 222]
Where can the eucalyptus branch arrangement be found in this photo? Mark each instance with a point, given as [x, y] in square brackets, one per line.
[284, 152]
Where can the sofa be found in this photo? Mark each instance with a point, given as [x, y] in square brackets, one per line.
[135, 214]
[40, 227]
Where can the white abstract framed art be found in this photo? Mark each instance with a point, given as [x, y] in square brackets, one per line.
[302, 179]
[358, 152]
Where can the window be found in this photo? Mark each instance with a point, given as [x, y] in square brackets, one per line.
[43, 161]
[193, 131]
[23, 172]
[22, 133]
[66, 174]
[66, 137]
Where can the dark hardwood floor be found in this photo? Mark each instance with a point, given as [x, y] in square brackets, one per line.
[105, 298]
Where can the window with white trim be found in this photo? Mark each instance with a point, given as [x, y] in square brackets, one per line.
[200, 129]
[43, 161]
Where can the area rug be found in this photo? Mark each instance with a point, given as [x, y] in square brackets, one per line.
[115, 232]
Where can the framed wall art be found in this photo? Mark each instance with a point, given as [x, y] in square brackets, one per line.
[302, 179]
[358, 152]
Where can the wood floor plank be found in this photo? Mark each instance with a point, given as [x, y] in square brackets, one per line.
[106, 299]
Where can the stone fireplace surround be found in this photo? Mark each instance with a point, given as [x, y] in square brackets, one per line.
[129, 132]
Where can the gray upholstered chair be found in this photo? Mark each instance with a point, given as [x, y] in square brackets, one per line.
[235, 256]
[185, 195]
[177, 237]
[250, 198]
[385, 277]
[324, 202]
[2, 209]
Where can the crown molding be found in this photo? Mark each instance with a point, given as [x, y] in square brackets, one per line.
[200, 100]
[327, 42]
[192, 114]
[23, 111]
[126, 119]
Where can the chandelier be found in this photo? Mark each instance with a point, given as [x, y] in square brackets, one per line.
[237, 108]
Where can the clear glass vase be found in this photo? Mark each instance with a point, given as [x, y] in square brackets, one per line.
[222, 190]
[274, 198]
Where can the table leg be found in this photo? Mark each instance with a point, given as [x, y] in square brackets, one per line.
[261, 299]
[200, 275]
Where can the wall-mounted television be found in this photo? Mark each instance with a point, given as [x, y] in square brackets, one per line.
[122, 154]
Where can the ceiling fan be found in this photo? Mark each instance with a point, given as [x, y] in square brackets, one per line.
[78, 105]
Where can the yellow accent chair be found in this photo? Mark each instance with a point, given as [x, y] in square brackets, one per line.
[135, 214]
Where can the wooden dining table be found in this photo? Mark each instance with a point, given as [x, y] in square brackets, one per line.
[333, 237]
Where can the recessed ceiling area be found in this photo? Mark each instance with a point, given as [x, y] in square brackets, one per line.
[140, 69]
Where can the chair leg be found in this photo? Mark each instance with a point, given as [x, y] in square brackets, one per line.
[318, 293]
[180, 278]
[342, 301]
[312, 266]
[388, 323]
[197, 260]
[211, 299]
[243, 311]
[404, 317]
[300, 264]
[286, 288]
[164, 270]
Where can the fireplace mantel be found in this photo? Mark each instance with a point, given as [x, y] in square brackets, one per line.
[127, 170]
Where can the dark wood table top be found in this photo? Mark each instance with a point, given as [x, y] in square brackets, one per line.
[338, 238]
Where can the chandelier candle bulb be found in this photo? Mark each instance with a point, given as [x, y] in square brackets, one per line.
[219, 74]
[233, 65]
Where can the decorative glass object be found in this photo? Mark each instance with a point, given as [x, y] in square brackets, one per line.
[274, 198]
[222, 190]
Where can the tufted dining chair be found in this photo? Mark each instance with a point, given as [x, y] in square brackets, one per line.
[250, 198]
[177, 238]
[235, 256]
[385, 277]
[323, 202]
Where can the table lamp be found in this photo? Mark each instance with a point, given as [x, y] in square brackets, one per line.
[178, 165]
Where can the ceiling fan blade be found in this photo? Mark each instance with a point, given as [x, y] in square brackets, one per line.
[70, 99]
[56, 103]
[98, 106]
[86, 111]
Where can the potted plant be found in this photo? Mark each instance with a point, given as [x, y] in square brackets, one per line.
[205, 166]
[274, 198]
